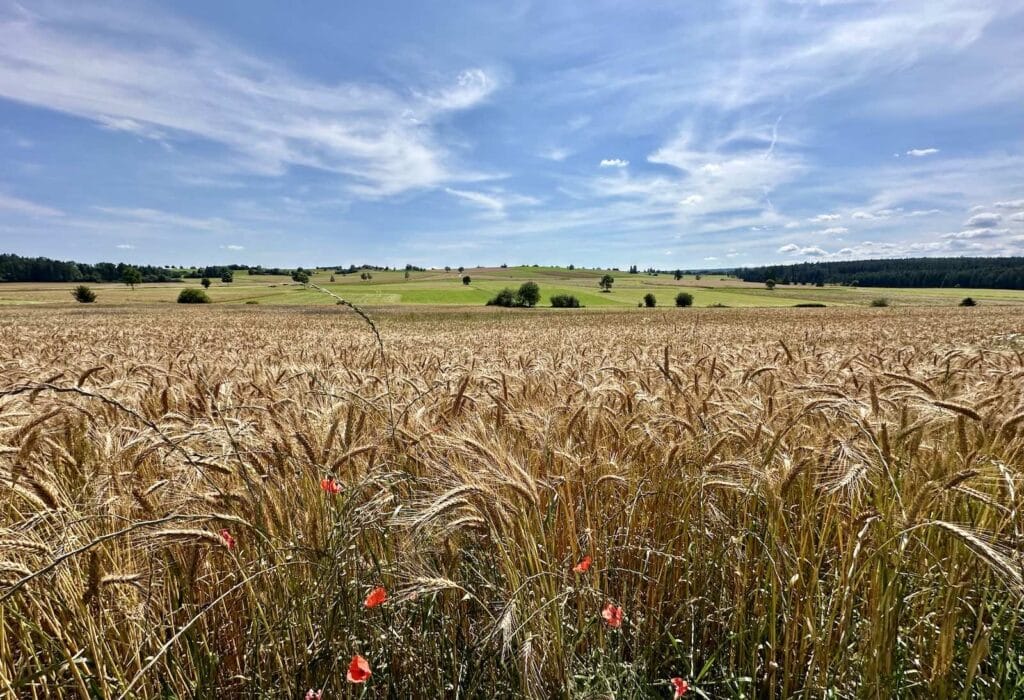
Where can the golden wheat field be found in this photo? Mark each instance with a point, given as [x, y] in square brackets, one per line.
[763, 503]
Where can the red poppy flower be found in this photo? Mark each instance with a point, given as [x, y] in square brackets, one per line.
[584, 565]
[314, 694]
[358, 670]
[612, 615]
[376, 597]
[229, 541]
[330, 486]
[681, 687]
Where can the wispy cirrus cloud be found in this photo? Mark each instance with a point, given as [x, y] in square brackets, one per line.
[181, 82]
[496, 202]
[17, 205]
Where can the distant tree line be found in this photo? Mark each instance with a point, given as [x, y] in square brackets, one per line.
[14, 268]
[988, 273]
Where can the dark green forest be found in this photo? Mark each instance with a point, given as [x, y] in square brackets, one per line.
[990, 273]
[15, 268]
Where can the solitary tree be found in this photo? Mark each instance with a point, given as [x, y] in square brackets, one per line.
[332, 278]
[461, 269]
[205, 282]
[649, 301]
[300, 276]
[466, 280]
[769, 283]
[227, 277]
[528, 294]
[83, 295]
[684, 299]
[131, 277]
[606, 283]
[678, 275]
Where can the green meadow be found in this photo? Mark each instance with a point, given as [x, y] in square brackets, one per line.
[445, 288]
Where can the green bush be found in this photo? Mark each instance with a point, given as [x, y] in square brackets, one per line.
[684, 299]
[649, 301]
[810, 305]
[528, 294]
[506, 297]
[83, 295]
[565, 301]
[191, 295]
[879, 302]
[968, 301]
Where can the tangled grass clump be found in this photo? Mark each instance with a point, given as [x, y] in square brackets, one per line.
[759, 503]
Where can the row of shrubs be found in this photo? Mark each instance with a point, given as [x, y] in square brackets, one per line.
[190, 295]
[682, 299]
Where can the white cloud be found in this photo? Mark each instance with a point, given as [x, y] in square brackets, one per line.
[125, 246]
[177, 82]
[814, 252]
[614, 163]
[555, 154]
[789, 248]
[710, 258]
[233, 247]
[977, 233]
[921, 152]
[1015, 204]
[733, 173]
[822, 218]
[1017, 217]
[155, 217]
[834, 231]
[24, 206]
[984, 220]
[495, 202]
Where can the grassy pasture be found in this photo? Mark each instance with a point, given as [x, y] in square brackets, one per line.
[445, 288]
[782, 502]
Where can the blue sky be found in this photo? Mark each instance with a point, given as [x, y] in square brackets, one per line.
[666, 134]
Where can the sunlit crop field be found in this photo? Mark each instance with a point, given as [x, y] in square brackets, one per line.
[762, 503]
